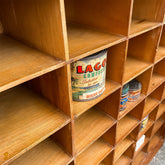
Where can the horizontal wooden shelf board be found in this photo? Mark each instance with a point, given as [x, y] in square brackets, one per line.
[153, 142]
[125, 126]
[25, 121]
[122, 147]
[130, 106]
[160, 55]
[139, 158]
[148, 126]
[161, 110]
[45, 153]
[142, 146]
[81, 107]
[141, 26]
[20, 63]
[85, 41]
[133, 68]
[157, 126]
[150, 105]
[94, 154]
[156, 81]
[89, 127]
[123, 160]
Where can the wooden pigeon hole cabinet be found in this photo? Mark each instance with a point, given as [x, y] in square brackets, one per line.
[40, 124]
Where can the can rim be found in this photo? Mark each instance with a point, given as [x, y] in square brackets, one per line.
[95, 55]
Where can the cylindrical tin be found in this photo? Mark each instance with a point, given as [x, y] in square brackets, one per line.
[124, 97]
[134, 90]
[144, 123]
[88, 77]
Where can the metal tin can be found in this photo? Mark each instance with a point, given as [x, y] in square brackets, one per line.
[88, 77]
[134, 90]
[124, 97]
[144, 123]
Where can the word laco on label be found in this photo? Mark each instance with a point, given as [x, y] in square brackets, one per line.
[90, 69]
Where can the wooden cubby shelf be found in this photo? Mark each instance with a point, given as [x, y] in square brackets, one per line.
[153, 142]
[141, 26]
[133, 68]
[148, 126]
[130, 106]
[20, 63]
[95, 153]
[40, 123]
[143, 16]
[139, 158]
[150, 104]
[161, 110]
[125, 126]
[90, 126]
[157, 126]
[47, 152]
[163, 96]
[27, 117]
[81, 107]
[122, 147]
[156, 81]
[160, 54]
[86, 41]
[141, 147]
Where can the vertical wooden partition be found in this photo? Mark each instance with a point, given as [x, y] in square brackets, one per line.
[39, 121]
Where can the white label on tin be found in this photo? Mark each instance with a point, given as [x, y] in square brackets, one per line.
[92, 94]
[140, 142]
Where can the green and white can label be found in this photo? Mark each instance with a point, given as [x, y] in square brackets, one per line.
[88, 77]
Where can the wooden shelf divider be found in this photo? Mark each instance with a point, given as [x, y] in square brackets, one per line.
[89, 127]
[125, 126]
[122, 147]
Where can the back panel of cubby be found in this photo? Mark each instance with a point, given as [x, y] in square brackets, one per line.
[55, 87]
[40, 24]
[107, 15]
[152, 10]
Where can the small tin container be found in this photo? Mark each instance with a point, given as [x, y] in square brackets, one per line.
[144, 123]
[124, 97]
[134, 90]
[88, 77]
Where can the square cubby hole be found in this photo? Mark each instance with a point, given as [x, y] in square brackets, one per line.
[158, 76]
[146, 15]
[114, 74]
[141, 53]
[95, 25]
[144, 79]
[49, 149]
